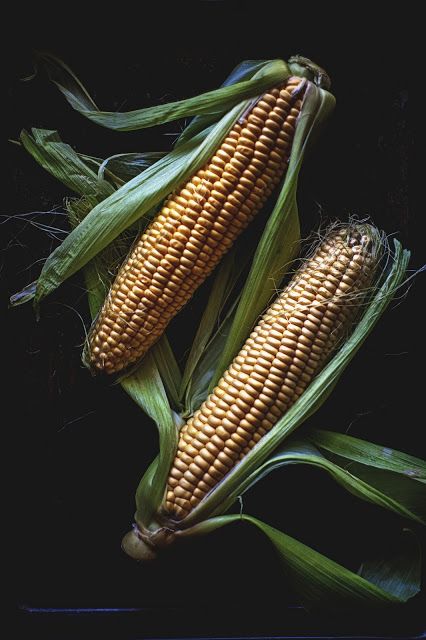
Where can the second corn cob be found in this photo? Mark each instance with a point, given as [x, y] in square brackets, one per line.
[288, 347]
[194, 229]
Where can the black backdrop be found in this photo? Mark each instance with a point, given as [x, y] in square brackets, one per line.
[80, 446]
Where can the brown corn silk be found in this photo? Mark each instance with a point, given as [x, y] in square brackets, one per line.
[288, 347]
[194, 229]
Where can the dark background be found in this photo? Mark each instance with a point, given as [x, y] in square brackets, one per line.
[79, 446]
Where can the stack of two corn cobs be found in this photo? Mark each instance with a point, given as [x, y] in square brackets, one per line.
[293, 339]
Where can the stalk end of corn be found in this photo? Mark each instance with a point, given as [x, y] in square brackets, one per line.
[143, 544]
[133, 545]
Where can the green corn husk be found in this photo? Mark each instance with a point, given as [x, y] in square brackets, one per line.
[118, 196]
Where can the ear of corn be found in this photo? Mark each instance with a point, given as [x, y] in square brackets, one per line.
[288, 347]
[194, 229]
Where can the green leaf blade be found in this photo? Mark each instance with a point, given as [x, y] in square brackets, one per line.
[212, 103]
[367, 453]
[61, 161]
[322, 583]
[408, 502]
[146, 388]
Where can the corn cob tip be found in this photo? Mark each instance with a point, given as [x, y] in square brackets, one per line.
[301, 66]
[133, 545]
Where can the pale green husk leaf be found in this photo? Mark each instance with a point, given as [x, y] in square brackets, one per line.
[405, 497]
[323, 583]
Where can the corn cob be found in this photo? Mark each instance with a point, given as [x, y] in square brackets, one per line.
[288, 347]
[194, 229]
